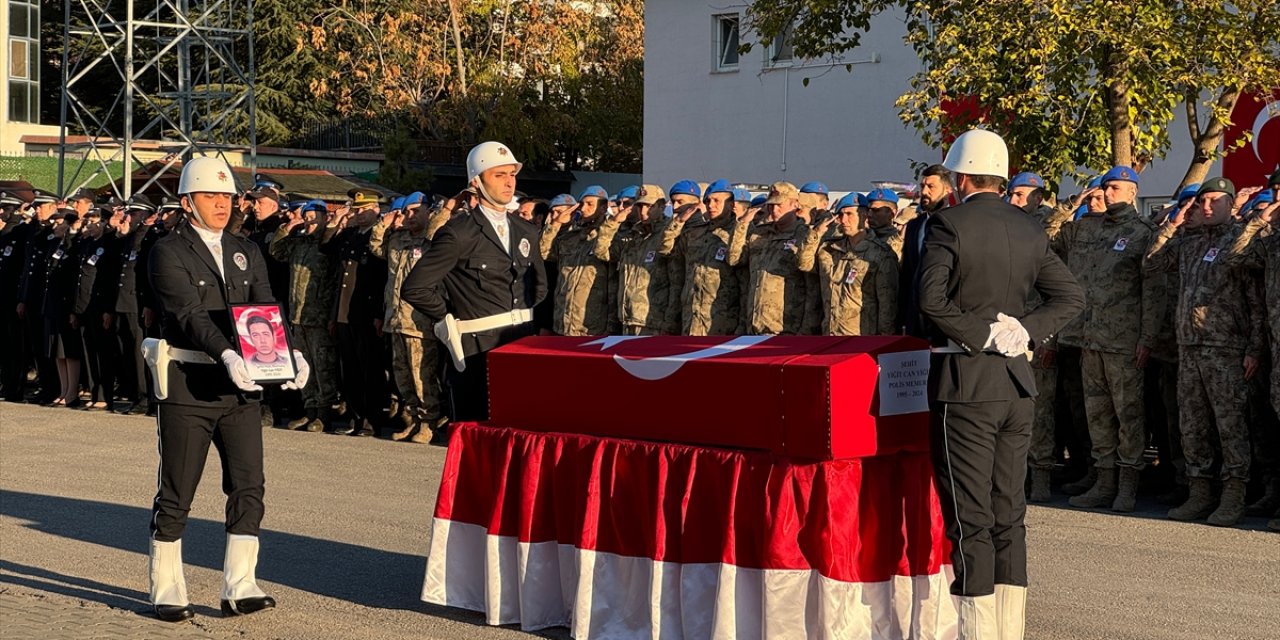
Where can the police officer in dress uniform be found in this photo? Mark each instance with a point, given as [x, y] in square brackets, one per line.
[204, 390]
[15, 231]
[980, 382]
[479, 280]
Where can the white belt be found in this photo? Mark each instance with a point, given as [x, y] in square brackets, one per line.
[496, 321]
[190, 356]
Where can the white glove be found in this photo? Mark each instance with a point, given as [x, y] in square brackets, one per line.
[1011, 339]
[304, 372]
[238, 372]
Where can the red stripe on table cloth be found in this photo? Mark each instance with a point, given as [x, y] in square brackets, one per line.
[860, 520]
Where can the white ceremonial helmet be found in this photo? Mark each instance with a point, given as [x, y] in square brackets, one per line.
[978, 152]
[206, 175]
[488, 155]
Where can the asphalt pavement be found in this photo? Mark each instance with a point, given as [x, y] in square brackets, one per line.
[346, 533]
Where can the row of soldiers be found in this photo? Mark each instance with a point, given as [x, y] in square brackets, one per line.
[1181, 306]
[1175, 305]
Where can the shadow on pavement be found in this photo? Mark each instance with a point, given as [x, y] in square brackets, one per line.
[361, 575]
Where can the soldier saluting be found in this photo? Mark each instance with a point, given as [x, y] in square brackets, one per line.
[204, 390]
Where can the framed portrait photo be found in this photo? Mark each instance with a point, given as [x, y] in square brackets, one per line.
[263, 342]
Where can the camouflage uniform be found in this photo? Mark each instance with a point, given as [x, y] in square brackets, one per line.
[645, 304]
[890, 237]
[710, 301]
[312, 283]
[1105, 253]
[858, 283]
[1258, 249]
[776, 294]
[1219, 322]
[582, 294]
[415, 353]
[1041, 454]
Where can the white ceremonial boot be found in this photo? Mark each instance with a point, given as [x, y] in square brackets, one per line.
[168, 586]
[976, 618]
[1011, 611]
[240, 592]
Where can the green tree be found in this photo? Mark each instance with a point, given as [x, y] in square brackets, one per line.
[1069, 83]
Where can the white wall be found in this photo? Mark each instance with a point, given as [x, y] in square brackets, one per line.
[842, 129]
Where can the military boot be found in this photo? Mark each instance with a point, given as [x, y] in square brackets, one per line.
[302, 422]
[268, 417]
[1127, 492]
[424, 434]
[366, 429]
[1231, 506]
[1040, 485]
[1268, 503]
[1082, 485]
[410, 424]
[1198, 505]
[1102, 493]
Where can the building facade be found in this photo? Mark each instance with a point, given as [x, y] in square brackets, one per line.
[767, 115]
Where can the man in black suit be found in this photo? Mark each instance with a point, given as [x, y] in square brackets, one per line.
[982, 258]
[204, 389]
[479, 280]
[935, 195]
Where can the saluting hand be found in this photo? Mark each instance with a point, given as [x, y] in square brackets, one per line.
[1243, 196]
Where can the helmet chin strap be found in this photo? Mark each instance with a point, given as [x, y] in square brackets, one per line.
[484, 193]
[194, 215]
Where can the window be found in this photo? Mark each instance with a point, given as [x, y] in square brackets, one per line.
[23, 72]
[727, 42]
[778, 53]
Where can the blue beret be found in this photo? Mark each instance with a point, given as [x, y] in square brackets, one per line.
[1263, 197]
[850, 199]
[594, 191]
[1120, 172]
[1188, 192]
[629, 193]
[414, 198]
[1080, 211]
[887, 195]
[685, 188]
[397, 204]
[316, 205]
[719, 186]
[814, 187]
[863, 200]
[297, 204]
[759, 200]
[1026, 179]
[1096, 181]
[563, 200]
[741, 195]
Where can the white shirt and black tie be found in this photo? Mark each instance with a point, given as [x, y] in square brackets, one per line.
[213, 240]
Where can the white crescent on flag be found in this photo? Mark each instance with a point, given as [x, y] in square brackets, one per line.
[664, 366]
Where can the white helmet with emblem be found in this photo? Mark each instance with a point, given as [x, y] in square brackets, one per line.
[488, 155]
[206, 175]
[978, 152]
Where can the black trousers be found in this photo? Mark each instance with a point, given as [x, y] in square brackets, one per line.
[363, 379]
[102, 351]
[468, 391]
[185, 433]
[50, 384]
[132, 372]
[980, 461]
[15, 355]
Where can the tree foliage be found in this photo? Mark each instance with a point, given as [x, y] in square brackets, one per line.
[1070, 84]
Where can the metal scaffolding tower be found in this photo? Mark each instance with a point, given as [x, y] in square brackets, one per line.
[185, 75]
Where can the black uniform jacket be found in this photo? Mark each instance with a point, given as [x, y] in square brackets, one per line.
[982, 258]
[909, 319]
[193, 302]
[467, 272]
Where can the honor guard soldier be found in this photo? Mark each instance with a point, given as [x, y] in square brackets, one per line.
[479, 280]
[586, 300]
[357, 310]
[857, 276]
[204, 390]
[980, 382]
[645, 303]
[770, 251]
[710, 299]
